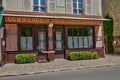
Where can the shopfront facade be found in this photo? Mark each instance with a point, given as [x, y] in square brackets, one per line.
[34, 34]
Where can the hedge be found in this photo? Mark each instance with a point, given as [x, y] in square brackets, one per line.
[82, 55]
[25, 58]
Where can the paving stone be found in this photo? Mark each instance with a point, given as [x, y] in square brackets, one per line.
[13, 69]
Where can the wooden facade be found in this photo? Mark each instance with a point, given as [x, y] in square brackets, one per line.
[52, 28]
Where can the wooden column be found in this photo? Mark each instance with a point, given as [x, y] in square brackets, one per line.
[50, 55]
[50, 37]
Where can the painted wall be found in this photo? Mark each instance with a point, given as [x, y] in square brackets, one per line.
[90, 7]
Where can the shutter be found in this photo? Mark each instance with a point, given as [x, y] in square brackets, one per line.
[27, 5]
[88, 6]
[11, 37]
[69, 6]
[51, 6]
[60, 3]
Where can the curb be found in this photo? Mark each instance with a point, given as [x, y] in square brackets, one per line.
[61, 70]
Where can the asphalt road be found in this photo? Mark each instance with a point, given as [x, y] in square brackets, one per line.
[109, 73]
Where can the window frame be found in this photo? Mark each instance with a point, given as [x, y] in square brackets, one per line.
[25, 25]
[78, 10]
[42, 28]
[93, 38]
[39, 6]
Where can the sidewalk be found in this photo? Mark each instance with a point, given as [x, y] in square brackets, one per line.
[58, 65]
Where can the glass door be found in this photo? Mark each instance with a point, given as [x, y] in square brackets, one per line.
[42, 37]
[59, 41]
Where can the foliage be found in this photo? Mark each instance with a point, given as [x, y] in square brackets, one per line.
[83, 55]
[108, 31]
[25, 58]
[108, 26]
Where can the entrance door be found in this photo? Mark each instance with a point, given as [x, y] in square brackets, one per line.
[42, 43]
[59, 41]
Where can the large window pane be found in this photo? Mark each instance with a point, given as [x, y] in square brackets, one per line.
[41, 40]
[90, 37]
[70, 42]
[58, 45]
[75, 42]
[41, 46]
[36, 9]
[41, 36]
[80, 37]
[43, 2]
[43, 9]
[80, 5]
[81, 42]
[26, 41]
[85, 42]
[74, 0]
[58, 36]
[23, 43]
[85, 32]
[79, 0]
[29, 43]
[35, 2]
[74, 5]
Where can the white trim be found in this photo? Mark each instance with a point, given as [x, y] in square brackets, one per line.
[39, 4]
[59, 17]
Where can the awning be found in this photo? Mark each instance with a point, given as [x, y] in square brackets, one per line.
[1, 17]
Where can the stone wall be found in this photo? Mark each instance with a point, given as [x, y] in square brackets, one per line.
[112, 8]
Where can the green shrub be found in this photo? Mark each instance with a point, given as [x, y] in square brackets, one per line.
[25, 58]
[73, 56]
[83, 55]
[20, 58]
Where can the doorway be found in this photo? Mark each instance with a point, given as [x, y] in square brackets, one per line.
[59, 43]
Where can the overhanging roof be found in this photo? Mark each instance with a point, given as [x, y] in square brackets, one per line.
[53, 15]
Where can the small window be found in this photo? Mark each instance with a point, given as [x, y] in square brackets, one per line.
[77, 7]
[40, 5]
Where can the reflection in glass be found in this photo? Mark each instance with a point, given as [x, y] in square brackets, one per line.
[41, 41]
[70, 42]
[75, 42]
[58, 45]
[58, 36]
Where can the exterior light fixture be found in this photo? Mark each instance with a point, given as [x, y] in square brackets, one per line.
[50, 25]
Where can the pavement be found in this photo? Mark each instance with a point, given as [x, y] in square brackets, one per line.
[58, 65]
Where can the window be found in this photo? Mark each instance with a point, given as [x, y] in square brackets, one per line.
[77, 6]
[40, 5]
[80, 37]
[26, 41]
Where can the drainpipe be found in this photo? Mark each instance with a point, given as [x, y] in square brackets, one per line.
[0, 53]
[1, 35]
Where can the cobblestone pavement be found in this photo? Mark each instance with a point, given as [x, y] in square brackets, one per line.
[58, 65]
